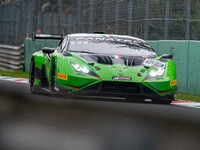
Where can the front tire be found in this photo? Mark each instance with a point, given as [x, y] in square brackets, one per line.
[53, 79]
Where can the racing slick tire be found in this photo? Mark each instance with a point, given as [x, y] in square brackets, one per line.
[53, 80]
[32, 76]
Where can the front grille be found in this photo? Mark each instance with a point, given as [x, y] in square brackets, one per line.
[120, 87]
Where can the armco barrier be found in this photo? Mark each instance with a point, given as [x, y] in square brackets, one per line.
[10, 58]
[186, 57]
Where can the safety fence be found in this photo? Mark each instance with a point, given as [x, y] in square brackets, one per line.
[147, 19]
[11, 58]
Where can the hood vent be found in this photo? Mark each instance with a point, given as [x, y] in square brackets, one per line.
[133, 61]
[108, 60]
[102, 59]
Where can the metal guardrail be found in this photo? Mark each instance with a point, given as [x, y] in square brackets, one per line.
[11, 58]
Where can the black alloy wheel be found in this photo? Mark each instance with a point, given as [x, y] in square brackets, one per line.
[32, 76]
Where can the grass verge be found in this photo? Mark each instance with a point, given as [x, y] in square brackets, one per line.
[14, 74]
[189, 97]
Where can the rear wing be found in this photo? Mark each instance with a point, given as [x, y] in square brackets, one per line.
[47, 36]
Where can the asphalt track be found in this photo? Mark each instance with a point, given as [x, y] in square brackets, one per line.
[42, 122]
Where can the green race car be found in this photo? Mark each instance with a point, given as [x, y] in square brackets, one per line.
[103, 65]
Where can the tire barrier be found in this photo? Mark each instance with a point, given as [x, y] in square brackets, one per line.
[11, 58]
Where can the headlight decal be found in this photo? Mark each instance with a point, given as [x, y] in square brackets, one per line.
[79, 68]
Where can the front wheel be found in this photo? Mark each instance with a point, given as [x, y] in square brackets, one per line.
[53, 79]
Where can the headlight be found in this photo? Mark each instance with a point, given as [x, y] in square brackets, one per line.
[79, 68]
[157, 73]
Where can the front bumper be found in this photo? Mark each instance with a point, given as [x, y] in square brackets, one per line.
[119, 89]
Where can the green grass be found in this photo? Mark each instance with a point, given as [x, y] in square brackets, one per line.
[14, 74]
[189, 97]
[179, 96]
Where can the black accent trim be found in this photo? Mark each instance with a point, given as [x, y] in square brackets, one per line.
[93, 74]
[44, 82]
[78, 87]
[37, 72]
[66, 54]
[157, 89]
[164, 59]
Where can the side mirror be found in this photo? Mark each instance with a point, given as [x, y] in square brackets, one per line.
[48, 50]
[167, 56]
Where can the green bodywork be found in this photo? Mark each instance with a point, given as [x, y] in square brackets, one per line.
[68, 78]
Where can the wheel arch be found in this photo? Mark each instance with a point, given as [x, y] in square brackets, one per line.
[39, 60]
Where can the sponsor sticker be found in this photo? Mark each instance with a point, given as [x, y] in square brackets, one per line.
[159, 78]
[81, 74]
[62, 76]
[172, 83]
[122, 78]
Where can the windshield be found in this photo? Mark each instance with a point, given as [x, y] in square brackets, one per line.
[110, 45]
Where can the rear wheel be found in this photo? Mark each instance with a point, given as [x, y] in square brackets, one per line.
[32, 76]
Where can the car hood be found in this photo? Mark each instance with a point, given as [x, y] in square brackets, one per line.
[117, 67]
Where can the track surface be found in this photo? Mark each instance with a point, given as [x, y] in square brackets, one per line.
[44, 122]
[143, 107]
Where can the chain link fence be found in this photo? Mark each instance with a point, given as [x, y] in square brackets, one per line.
[147, 19]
